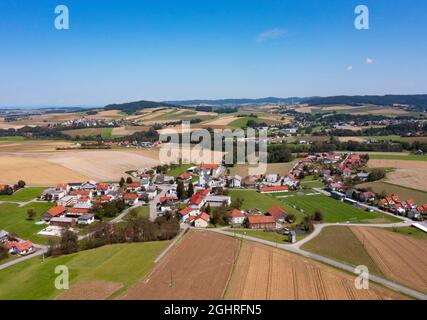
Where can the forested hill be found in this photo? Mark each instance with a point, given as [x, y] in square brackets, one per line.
[417, 101]
[132, 107]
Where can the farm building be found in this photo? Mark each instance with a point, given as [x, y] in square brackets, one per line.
[277, 213]
[276, 189]
[236, 217]
[261, 222]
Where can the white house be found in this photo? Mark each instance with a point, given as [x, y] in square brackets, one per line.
[86, 219]
[202, 220]
[234, 181]
[217, 201]
[236, 217]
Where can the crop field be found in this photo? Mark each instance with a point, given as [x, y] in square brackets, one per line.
[401, 258]
[341, 244]
[272, 168]
[403, 157]
[14, 220]
[335, 211]
[99, 273]
[23, 195]
[408, 173]
[419, 197]
[197, 268]
[265, 273]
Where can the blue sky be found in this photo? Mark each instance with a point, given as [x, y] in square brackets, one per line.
[118, 51]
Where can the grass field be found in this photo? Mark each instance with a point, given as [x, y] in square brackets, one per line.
[120, 263]
[411, 157]
[143, 211]
[335, 211]
[269, 236]
[106, 133]
[12, 139]
[253, 199]
[23, 195]
[350, 250]
[14, 220]
[175, 172]
[418, 196]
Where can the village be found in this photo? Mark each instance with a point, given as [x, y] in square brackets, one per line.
[200, 196]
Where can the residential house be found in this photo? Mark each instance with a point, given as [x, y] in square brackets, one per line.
[76, 212]
[261, 222]
[367, 196]
[130, 199]
[236, 217]
[290, 181]
[19, 248]
[86, 219]
[202, 220]
[66, 201]
[185, 176]
[185, 213]
[133, 187]
[271, 178]
[151, 192]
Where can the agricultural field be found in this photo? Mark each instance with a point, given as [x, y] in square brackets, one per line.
[23, 195]
[13, 219]
[341, 244]
[391, 189]
[197, 268]
[409, 232]
[8, 140]
[407, 173]
[99, 273]
[404, 157]
[335, 211]
[265, 273]
[272, 168]
[400, 258]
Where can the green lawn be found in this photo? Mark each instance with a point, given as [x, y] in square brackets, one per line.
[335, 211]
[418, 196]
[120, 263]
[411, 157]
[243, 122]
[106, 133]
[340, 243]
[24, 195]
[255, 200]
[11, 139]
[312, 182]
[143, 211]
[14, 219]
[175, 172]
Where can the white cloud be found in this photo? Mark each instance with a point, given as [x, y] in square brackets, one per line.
[369, 61]
[272, 34]
[349, 68]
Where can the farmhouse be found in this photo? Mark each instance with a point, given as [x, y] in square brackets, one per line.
[261, 222]
[277, 213]
[86, 219]
[276, 189]
[202, 220]
[19, 248]
[217, 201]
[236, 217]
[130, 199]
[54, 212]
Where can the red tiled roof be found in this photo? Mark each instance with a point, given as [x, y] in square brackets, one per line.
[185, 176]
[105, 198]
[277, 188]
[78, 210]
[164, 199]
[56, 211]
[236, 214]
[100, 186]
[133, 185]
[261, 219]
[275, 211]
[209, 166]
[20, 246]
[61, 186]
[79, 193]
[185, 211]
[203, 216]
[130, 196]
[85, 199]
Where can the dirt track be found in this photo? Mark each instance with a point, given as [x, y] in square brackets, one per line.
[264, 273]
[196, 269]
[399, 257]
[90, 290]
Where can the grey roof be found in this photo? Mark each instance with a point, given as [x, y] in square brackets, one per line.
[3, 234]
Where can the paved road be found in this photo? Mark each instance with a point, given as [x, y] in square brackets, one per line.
[40, 250]
[389, 284]
[155, 201]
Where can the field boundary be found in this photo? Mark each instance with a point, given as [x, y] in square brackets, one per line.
[236, 258]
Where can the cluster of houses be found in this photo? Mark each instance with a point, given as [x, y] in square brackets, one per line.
[15, 247]
[74, 201]
[350, 167]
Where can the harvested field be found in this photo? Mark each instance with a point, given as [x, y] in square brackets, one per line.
[196, 269]
[410, 174]
[35, 172]
[280, 168]
[400, 258]
[221, 121]
[90, 290]
[264, 273]
[126, 131]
